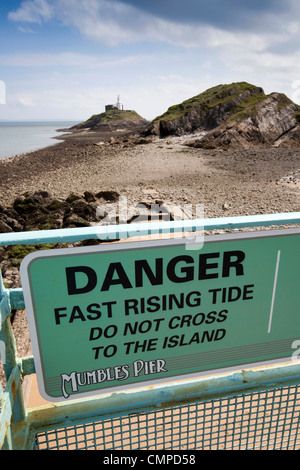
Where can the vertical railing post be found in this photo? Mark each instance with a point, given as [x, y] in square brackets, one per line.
[2, 321]
[1, 396]
[7, 336]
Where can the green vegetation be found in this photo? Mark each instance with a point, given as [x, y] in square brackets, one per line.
[283, 100]
[247, 108]
[209, 99]
[18, 252]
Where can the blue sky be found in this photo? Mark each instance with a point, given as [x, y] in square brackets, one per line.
[66, 59]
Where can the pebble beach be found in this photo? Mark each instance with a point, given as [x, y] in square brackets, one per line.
[226, 183]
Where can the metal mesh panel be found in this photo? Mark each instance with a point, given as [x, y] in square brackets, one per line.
[264, 420]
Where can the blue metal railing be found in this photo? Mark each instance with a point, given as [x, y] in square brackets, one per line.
[124, 231]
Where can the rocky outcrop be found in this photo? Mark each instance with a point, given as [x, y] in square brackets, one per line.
[41, 211]
[273, 124]
[233, 116]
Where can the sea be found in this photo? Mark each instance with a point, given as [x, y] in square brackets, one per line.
[22, 137]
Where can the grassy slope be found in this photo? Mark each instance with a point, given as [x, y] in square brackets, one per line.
[220, 95]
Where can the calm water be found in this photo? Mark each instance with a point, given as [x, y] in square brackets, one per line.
[22, 137]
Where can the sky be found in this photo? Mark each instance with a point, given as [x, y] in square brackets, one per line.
[67, 59]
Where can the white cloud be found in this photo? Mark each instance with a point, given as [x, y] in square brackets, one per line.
[296, 91]
[57, 103]
[25, 30]
[67, 59]
[113, 23]
[27, 100]
[33, 11]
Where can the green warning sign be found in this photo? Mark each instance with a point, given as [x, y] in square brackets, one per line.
[114, 316]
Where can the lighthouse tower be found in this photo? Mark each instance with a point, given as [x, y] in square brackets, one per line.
[119, 105]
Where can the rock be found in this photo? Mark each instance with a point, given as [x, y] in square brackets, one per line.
[74, 220]
[39, 211]
[24, 205]
[11, 218]
[72, 197]
[56, 206]
[108, 213]
[112, 196]
[142, 141]
[4, 228]
[41, 197]
[14, 224]
[289, 139]
[89, 197]
[82, 209]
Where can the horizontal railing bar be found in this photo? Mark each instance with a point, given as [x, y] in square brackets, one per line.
[16, 299]
[113, 232]
[27, 365]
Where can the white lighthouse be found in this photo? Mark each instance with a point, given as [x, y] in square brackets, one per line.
[119, 104]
